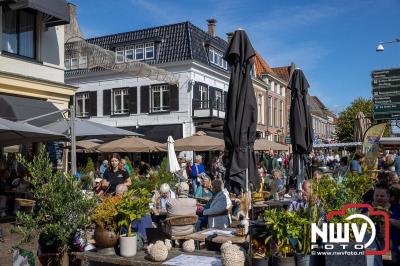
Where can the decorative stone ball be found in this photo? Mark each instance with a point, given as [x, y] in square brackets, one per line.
[158, 251]
[232, 255]
[188, 245]
[226, 244]
[167, 243]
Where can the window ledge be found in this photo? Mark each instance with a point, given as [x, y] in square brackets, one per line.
[119, 115]
[159, 112]
[21, 57]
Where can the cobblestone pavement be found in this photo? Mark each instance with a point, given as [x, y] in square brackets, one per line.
[8, 240]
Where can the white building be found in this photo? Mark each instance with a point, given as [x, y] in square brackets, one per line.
[156, 109]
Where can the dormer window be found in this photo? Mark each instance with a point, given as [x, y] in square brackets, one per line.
[119, 55]
[150, 50]
[216, 58]
[76, 62]
[138, 52]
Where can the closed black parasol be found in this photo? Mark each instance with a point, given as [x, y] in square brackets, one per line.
[301, 130]
[241, 115]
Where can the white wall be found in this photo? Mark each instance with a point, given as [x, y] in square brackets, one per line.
[193, 72]
[49, 65]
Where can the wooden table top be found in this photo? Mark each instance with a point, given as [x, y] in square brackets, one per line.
[140, 259]
[201, 236]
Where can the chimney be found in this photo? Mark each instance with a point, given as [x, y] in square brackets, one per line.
[292, 68]
[229, 36]
[72, 31]
[211, 26]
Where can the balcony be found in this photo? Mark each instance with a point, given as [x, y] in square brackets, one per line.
[208, 109]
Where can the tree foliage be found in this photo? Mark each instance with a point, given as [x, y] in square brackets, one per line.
[345, 123]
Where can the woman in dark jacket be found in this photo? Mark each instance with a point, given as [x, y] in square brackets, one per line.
[115, 175]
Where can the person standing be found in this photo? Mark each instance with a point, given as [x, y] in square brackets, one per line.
[115, 175]
[197, 171]
[103, 168]
[355, 166]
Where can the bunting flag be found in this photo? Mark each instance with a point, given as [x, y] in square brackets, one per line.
[371, 146]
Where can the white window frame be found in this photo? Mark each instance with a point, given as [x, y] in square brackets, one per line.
[129, 49]
[85, 109]
[276, 122]
[119, 55]
[67, 64]
[270, 112]
[74, 63]
[204, 103]
[260, 109]
[83, 62]
[149, 45]
[281, 114]
[216, 58]
[138, 47]
[160, 89]
[124, 94]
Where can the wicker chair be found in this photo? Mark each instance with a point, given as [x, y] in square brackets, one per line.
[172, 223]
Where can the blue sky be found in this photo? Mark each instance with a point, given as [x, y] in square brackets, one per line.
[332, 41]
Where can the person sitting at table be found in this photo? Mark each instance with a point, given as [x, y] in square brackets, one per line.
[160, 199]
[115, 175]
[218, 208]
[181, 206]
[277, 183]
[302, 203]
[203, 191]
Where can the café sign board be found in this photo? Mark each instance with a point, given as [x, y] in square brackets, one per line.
[386, 94]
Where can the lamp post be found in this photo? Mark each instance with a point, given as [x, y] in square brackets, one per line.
[380, 48]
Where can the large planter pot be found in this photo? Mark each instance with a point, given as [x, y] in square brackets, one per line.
[304, 260]
[260, 261]
[105, 238]
[127, 245]
[47, 259]
[279, 261]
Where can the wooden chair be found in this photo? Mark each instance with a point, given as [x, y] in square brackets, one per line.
[177, 221]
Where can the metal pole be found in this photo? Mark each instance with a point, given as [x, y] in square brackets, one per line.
[73, 138]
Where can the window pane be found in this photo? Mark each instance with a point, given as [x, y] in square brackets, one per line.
[83, 62]
[86, 106]
[26, 34]
[139, 52]
[79, 106]
[117, 103]
[126, 103]
[67, 64]
[156, 101]
[74, 63]
[211, 56]
[119, 55]
[9, 35]
[129, 53]
[149, 51]
[165, 98]
[216, 59]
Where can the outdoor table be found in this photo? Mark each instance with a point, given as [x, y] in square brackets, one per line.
[201, 236]
[269, 204]
[89, 258]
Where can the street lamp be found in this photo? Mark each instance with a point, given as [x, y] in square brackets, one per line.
[380, 48]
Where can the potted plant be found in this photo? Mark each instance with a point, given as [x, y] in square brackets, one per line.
[61, 209]
[134, 204]
[286, 228]
[104, 216]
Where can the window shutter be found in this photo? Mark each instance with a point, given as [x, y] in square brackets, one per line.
[174, 97]
[211, 97]
[196, 95]
[144, 99]
[93, 103]
[224, 99]
[71, 100]
[132, 100]
[107, 102]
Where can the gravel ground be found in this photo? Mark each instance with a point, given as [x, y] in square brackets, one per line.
[9, 240]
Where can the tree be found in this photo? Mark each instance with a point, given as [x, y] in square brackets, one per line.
[345, 123]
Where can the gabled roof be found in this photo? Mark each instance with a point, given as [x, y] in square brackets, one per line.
[282, 72]
[176, 42]
[262, 67]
